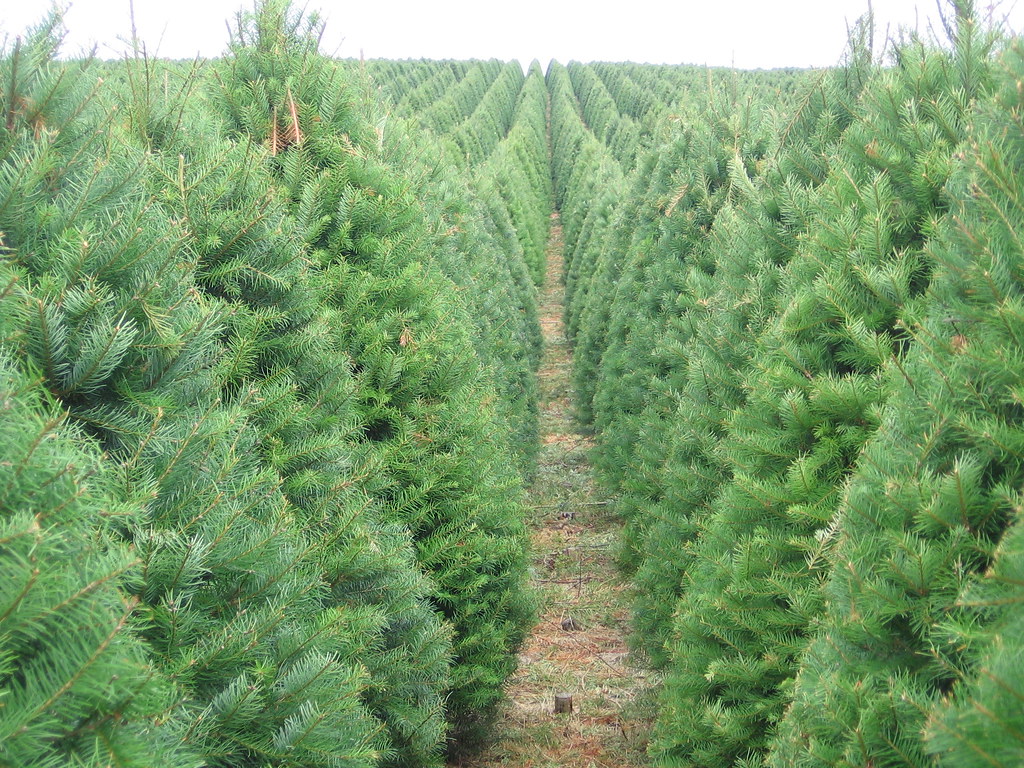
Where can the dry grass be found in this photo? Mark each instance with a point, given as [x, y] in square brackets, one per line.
[573, 570]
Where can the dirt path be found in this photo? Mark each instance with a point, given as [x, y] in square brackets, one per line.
[578, 646]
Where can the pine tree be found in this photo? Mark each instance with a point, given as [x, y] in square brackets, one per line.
[690, 183]
[604, 262]
[813, 389]
[753, 238]
[584, 173]
[491, 218]
[226, 592]
[426, 429]
[920, 596]
[281, 362]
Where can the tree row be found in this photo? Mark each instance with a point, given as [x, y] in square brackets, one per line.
[796, 321]
[266, 376]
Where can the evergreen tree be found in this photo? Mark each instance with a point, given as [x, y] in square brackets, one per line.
[920, 599]
[488, 216]
[521, 172]
[228, 597]
[426, 423]
[603, 261]
[282, 363]
[812, 392]
[753, 238]
[689, 184]
[78, 685]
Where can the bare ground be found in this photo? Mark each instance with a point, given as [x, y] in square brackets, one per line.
[578, 646]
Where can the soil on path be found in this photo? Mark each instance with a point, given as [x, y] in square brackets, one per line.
[578, 646]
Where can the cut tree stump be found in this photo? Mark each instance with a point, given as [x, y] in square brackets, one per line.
[563, 703]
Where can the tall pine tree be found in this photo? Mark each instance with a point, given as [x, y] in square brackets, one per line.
[921, 600]
[813, 389]
[426, 430]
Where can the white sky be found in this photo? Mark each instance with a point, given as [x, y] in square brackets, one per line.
[742, 33]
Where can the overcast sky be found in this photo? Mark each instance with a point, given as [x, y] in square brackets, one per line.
[743, 33]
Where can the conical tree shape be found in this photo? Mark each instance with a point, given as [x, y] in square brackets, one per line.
[753, 238]
[491, 213]
[920, 595]
[227, 591]
[813, 389]
[282, 360]
[426, 425]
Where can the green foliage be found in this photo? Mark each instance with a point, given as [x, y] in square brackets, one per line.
[78, 684]
[426, 428]
[494, 205]
[812, 392]
[734, 297]
[521, 173]
[226, 595]
[743, 296]
[239, 292]
[980, 723]
[269, 343]
[282, 364]
[920, 592]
